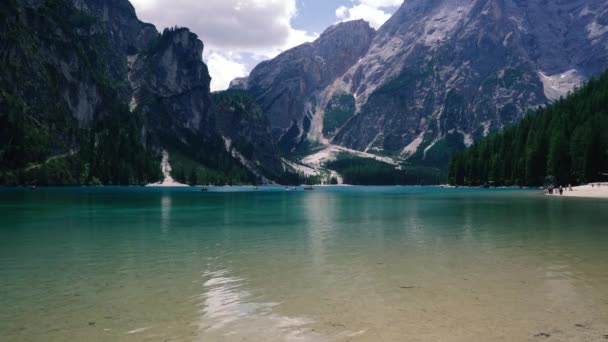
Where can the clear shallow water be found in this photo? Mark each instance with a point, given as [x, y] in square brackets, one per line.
[334, 264]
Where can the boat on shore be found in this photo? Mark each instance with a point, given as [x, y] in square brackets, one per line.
[309, 188]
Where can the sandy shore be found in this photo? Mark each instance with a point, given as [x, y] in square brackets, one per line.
[588, 191]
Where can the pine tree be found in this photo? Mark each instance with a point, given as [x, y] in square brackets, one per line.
[565, 142]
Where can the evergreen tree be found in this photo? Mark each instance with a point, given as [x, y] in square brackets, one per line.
[564, 143]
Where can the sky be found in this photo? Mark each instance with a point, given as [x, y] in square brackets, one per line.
[238, 34]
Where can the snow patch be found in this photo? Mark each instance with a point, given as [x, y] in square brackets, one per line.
[370, 146]
[585, 11]
[505, 42]
[245, 162]
[520, 23]
[486, 128]
[410, 149]
[305, 170]
[331, 152]
[133, 103]
[559, 85]
[428, 148]
[468, 138]
[168, 181]
[596, 30]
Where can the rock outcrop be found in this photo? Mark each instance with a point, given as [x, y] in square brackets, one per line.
[246, 131]
[171, 85]
[456, 67]
[101, 87]
[289, 87]
[437, 76]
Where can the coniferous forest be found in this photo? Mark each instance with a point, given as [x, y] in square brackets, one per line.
[364, 171]
[563, 143]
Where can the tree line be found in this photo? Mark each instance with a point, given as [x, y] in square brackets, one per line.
[365, 171]
[563, 143]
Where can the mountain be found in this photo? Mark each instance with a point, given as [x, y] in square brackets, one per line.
[90, 94]
[445, 68]
[439, 75]
[289, 87]
[564, 143]
[63, 100]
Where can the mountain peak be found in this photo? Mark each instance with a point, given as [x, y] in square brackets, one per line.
[345, 26]
[462, 68]
[288, 86]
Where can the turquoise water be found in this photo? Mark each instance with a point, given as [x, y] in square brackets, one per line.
[334, 264]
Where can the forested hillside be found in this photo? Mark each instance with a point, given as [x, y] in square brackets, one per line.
[363, 171]
[91, 95]
[564, 143]
[62, 121]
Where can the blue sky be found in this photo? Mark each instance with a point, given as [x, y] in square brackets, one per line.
[316, 15]
[238, 34]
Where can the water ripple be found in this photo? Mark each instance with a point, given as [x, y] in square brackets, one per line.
[230, 311]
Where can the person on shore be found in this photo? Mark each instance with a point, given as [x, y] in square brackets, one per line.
[592, 185]
[570, 187]
[550, 189]
[561, 190]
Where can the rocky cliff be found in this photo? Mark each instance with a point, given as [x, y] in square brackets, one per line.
[63, 100]
[442, 73]
[437, 76]
[172, 88]
[246, 132]
[289, 87]
[88, 86]
[171, 85]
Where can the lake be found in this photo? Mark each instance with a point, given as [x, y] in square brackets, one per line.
[333, 264]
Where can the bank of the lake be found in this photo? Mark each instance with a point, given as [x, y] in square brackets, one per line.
[595, 190]
[333, 264]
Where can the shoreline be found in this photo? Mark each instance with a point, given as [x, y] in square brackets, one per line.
[247, 186]
[599, 190]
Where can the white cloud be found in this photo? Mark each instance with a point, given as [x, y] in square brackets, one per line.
[223, 69]
[370, 10]
[230, 29]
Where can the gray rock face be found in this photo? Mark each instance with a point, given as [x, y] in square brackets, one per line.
[172, 65]
[246, 129]
[171, 84]
[240, 83]
[75, 62]
[172, 87]
[438, 75]
[459, 67]
[61, 61]
[128, 33]
[288, 87]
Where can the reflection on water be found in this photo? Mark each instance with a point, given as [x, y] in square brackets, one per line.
[345, 264]
[320, 224]
[165, 207]
[230, 313]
